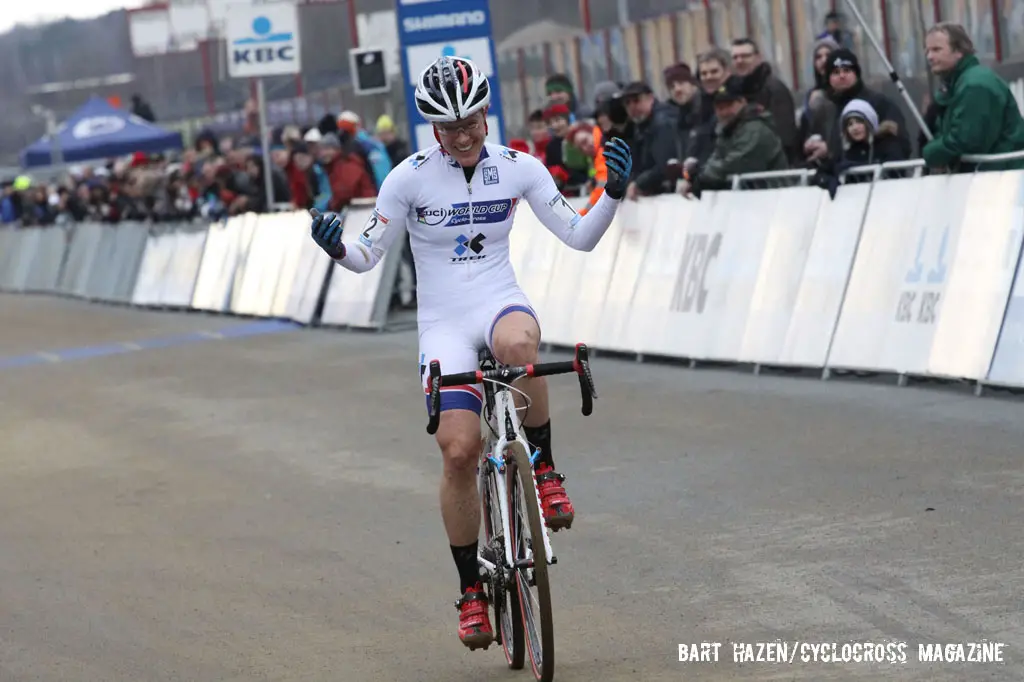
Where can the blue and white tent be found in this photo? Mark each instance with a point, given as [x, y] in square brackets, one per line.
[99, 130]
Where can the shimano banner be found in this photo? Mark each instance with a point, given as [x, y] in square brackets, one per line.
[428, 29]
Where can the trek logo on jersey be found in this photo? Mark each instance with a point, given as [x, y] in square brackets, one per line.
[484, 212]
[463, 245]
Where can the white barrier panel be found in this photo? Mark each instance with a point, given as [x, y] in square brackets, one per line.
[1008, 359]
[354, 299]
[725, 277]
[153, 271]
[84, 243]
[981, 274]
[217, 270]
[21, 249]
[647, 324]
[46, 265]
[562, 297]
[182, 269]
[261, 269]
[246, 232]
[816, 310]
[639, 220]
[892, 304]
[293, 228]
[303, 276]
[783, 262]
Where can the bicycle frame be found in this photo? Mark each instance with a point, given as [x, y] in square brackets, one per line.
[493, 455]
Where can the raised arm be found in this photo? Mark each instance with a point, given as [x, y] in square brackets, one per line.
[362, 253]
[553, 210]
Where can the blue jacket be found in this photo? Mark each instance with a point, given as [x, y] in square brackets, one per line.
[376, 153]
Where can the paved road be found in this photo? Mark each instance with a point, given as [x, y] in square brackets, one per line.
[263, 507]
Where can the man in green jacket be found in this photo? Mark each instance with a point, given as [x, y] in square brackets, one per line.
[978, 114]
[747, 142]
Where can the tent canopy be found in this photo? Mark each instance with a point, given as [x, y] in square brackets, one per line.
[97, 131]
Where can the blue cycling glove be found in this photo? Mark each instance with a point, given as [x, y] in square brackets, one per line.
[327, 229]
[620, 165]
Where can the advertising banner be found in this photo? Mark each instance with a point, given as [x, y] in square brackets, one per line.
[428, 29]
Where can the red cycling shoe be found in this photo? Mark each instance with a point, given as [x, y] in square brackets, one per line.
[558, 509]
[475, 629]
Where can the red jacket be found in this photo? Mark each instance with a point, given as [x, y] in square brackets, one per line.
[349, 180]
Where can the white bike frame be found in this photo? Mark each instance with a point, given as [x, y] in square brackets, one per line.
[504, 405]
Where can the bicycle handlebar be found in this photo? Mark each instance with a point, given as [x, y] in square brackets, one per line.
[580, 365]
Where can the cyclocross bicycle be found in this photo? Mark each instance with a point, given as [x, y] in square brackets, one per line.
[516, 553]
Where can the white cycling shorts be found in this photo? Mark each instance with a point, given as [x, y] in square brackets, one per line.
[456, 344]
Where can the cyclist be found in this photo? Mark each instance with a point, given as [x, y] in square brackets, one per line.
[457, 199]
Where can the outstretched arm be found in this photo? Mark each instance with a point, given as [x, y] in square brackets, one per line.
[553, 210]
[362, 253]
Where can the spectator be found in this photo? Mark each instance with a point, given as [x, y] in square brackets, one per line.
[540, 136]
[655, 142]
[977, 113]
[302, 180]
[378, 163]
[346, 171]
[866, 140]
[559, 90]
[141, 108]
[747, 142]
[765, 90]
[397, 148]
[845, 85]
[819, 112]
[835, 29]
[713, 69]
[685, 97]
[567, 165]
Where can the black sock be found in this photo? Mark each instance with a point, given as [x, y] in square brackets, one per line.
[469, 568]
[540, 438]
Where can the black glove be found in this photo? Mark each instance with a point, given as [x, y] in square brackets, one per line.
[327, 229]
[620, 165]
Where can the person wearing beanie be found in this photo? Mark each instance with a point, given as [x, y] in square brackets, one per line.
[866, 139]
[819, 112]
[684, 97]
[378, 163]
[567, 165]
[559, 90]
[346, 171]
[397, 148]
[845, 85]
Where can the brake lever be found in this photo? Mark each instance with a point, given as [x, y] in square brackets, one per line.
[588, 392]
[435, 397]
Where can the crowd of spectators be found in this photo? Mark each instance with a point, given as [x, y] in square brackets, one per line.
[730, 115]
[322, 166]
[733, 115]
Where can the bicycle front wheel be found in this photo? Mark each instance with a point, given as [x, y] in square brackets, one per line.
[531, 563]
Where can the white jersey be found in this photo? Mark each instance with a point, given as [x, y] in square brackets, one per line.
[459, 230]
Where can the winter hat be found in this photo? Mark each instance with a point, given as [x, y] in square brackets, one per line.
[606, 90]
[330, 141]
[558, 82]
[677, 73]
[859, 108]
[313, 135]
[556, 111]
[826, 41]
[843, 57]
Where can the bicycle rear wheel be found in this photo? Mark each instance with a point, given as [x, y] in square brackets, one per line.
[531, 570]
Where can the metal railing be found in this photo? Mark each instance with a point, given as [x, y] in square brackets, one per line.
[802, 177]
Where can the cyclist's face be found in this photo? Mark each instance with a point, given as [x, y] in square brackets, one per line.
[464, 139]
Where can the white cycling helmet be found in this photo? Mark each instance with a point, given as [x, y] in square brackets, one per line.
[451, 89]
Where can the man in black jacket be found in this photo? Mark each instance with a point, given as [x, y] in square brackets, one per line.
[765, 91]
[655, 142]
[845, 85]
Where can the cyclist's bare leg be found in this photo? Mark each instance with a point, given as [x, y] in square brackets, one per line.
[516, 340]
[458, 436]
